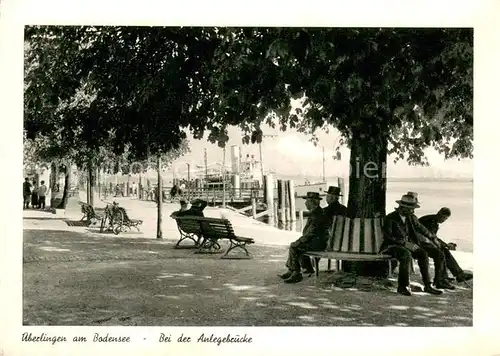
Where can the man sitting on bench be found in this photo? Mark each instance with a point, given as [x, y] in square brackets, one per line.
[196, 209]
[184, 207]
[431, 222]
[402, 232]
[312, 239]
[334, 207]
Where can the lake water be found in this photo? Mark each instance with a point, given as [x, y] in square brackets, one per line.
[456, 194]
[433, 195]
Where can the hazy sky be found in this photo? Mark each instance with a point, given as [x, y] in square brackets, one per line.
[291, 153]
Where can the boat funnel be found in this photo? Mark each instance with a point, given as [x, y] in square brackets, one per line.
[235, 159]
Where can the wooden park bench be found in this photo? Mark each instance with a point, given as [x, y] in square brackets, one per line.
[89, 213]
[211, 230]
[121, 220]
[352, 240]
[189, 229]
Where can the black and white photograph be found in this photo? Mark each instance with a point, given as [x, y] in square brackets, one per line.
[248, 176]
[245, 176]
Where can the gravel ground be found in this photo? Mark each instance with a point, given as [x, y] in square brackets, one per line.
[76, 278]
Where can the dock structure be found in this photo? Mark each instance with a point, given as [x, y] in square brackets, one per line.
[217, 197]
[281, 203]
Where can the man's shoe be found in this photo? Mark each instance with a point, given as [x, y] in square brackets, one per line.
[431, 290]
[445, 285]
[295, 278]
[285, 275]
[463, 277]
[404, 291]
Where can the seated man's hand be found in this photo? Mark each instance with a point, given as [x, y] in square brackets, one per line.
[451, 246]
[411, 246]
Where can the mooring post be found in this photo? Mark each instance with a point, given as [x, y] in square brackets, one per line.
[282, 200]
[270, 198]
[287, 201]
[291, 188]
[254, 206]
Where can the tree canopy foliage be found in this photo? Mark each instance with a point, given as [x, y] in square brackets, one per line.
[139, 87]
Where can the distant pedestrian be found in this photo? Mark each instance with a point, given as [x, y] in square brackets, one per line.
[26, 193]
[134, 190]
[42, 192]
[174, 191]
[34, 194]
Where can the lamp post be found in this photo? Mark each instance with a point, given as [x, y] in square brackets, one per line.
[224, 177]
[189, 181]
[324, 180]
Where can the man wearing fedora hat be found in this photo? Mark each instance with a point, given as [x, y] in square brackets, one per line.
[403, 235]
[312, 239]
[334, 207]
[196, 209]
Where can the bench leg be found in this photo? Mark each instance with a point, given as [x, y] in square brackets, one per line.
[316, 266]
[184, 237]
[234, 245]
[208, 244]
[337, 265]
[329, 268]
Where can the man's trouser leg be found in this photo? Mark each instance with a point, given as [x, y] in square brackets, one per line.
[403, 256]
[451, 263]
[439, 261]
[41, 202]
[295, 254]
[423, 264]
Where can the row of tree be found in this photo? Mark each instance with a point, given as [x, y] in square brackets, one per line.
[387, 90]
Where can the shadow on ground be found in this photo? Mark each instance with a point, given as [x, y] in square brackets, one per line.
[75, 279]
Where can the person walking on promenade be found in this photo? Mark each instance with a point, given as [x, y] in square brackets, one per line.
[312, 239]
[432, 222]
[34, 195]
[42, 192]
[26, 193]
[403, 238]
[134, 190]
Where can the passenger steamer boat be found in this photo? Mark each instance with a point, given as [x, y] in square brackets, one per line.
[243, 177]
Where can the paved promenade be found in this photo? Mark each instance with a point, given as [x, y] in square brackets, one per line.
[243, 226]
[74, 275]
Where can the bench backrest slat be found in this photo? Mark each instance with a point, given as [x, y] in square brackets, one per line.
[217, 228]
[189, 225]
[355, 235]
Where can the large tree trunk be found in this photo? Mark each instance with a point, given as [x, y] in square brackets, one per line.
[54, 177]
[367, 188]
[159, 199]
[90, 183]
[64, 200]
[98, 178]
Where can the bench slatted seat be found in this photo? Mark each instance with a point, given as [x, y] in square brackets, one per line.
[352, 240]
[189, 229]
